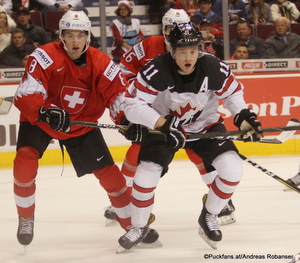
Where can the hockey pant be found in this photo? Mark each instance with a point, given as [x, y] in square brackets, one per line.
[25, 172]
[131, 162]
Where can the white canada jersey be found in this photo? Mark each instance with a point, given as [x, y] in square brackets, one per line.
[160, 90]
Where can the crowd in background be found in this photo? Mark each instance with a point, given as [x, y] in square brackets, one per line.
[19, 35]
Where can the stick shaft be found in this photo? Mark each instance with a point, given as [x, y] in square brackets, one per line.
[227, 135]
[266, 171]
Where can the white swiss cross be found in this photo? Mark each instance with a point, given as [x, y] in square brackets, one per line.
[74, 99]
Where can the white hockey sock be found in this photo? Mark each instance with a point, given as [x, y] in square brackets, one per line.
[145, 181]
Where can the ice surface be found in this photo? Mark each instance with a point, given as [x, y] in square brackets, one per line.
[70, 227]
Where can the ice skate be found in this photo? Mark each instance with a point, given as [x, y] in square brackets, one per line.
[25, 231]
[132, 238]
[149, 239]
[209, 229]
[294, 181]
[110, 216]
[226, 215]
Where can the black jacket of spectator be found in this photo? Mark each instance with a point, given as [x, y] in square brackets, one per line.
[35, 34]
[12, 57]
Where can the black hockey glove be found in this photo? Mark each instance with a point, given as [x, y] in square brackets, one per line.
[57, 118]
[174, 132]
[247, 120]
[135, 132]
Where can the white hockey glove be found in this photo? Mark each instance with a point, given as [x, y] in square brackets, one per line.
[58, 119]
[175, 133]
[247, 120]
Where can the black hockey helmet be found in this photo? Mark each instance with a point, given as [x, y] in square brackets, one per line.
[183, 35]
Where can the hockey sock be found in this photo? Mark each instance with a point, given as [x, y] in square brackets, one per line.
[145, 182]
[130, 163]
[25, 171]
[230, 170]
[112, 180]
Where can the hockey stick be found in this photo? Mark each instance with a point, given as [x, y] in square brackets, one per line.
[281, 138]
[287, 131]
[266, 171]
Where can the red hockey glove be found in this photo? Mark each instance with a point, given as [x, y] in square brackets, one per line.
[57, 118]
[175, 133]
[246, 120]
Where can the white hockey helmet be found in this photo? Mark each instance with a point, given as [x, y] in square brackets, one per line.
[178, 16]
[75, 20]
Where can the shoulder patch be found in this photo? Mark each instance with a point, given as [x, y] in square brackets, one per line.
[42, 57]
[139, 50]
[111, 71]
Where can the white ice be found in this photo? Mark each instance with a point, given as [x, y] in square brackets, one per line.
[70, 227]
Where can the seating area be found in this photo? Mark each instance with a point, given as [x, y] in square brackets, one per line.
[50, 22]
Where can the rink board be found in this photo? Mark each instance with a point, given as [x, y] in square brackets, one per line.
[274, 97]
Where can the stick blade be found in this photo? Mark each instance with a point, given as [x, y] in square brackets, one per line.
[284, 136]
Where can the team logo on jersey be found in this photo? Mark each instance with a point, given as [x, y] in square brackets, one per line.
[42, 57]
[111, 71]
[73, 99]
[187, 113]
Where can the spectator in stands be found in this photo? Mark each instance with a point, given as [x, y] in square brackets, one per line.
[34, 34]
[259, 13]
[31, 5]
[167, 4]
[155, 12]
[205, 12]
[190, 6]
[236, 10]
[283, 44]
[255, 44]
[5, 35]
[284, 8]
[125, 29]
[61, 5]
[241, 52]
[211, 44]
[6, 5]
[16, 54]
[11, 23]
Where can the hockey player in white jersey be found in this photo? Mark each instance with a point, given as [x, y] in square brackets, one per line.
[178, 92]
[131, 63]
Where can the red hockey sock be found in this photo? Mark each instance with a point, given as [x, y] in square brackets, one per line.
[25, 171]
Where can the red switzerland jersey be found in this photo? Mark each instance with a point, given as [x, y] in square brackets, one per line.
[140, 54]
[51, 76]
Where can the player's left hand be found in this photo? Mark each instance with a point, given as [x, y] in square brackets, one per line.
[247, 120]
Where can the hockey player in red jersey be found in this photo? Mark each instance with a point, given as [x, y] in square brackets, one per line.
[131, 63]
[65, 81]
[178, 92]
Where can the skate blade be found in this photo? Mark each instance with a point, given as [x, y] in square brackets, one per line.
[228, 219]
[110, 222]
[140, 245]
[211, 243]
[286, 189]
[121, 250]
[155, 244]
[25, 248]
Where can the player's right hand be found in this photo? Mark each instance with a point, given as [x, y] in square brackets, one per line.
[135, 132]
[58, 119]
[175, 133]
